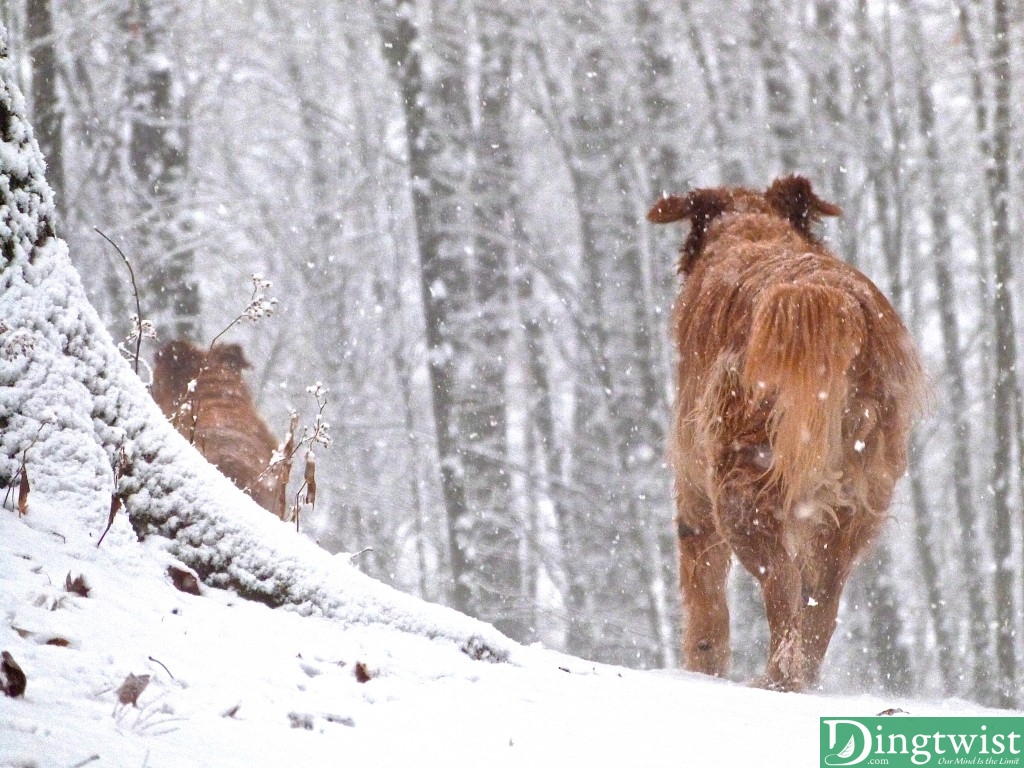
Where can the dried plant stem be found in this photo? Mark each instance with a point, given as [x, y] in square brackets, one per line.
[22, 477]
[164, 666]
[259, 306]
[225, 329]
[135, 291]
[116, 502]
[282, 466]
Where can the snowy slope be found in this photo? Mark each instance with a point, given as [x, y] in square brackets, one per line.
[254, 686]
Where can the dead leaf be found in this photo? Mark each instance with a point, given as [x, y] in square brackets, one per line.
[23, 490]
[132, 688]
[12, 678]
[362, 673]
[183, 580]
[891, 711]
[76, 585]
[309, 475]
[115, 506]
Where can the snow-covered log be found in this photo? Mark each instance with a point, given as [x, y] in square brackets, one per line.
[70, 404]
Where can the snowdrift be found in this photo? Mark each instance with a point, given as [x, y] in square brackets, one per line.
[235, 683]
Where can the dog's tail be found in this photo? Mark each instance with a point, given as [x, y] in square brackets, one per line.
[803, 340]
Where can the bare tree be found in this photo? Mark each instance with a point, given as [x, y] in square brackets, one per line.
[47, 108]
[1005, 402]
[158, 161]
[433, 198]
[956, 383]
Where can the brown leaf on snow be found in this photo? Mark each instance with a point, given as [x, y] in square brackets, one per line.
[183, 580]
[362, 673]
[132, 688]
[12, 678]
[76, 585]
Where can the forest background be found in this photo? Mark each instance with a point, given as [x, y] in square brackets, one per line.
[448, 197]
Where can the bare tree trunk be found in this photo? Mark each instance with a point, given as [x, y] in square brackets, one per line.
[945, 640]
[401, 47]
[444, 288]
[567, 574]
[621, 425]
[158, 160]
[829, 99]
[886, 623]
[1006, 391]
[493, 532]
[783, 122]
[47, 110]
[953, 353]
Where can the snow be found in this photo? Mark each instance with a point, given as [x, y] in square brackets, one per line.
[234, 682]
[347, 670]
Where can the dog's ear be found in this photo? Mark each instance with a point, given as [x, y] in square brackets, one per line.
[700, 207]
[668, 209]
[794, 199]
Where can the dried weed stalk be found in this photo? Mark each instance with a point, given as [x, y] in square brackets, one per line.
[24, 486]
[121, 468]
[140, 328]
[318, 435]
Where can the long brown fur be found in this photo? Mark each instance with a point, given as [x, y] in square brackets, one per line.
[217, 415]
[797, 386]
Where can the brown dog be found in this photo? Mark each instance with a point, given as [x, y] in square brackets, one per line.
[217, 415]
[797, 385]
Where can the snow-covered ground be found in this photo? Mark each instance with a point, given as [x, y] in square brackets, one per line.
[234, 683]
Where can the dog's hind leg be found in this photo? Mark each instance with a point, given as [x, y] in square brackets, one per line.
[825, 577]
[781, 587]
[704, 561]
[747, 512]
[821, 606]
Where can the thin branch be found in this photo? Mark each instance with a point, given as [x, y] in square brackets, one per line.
[135, 291]
[259, 306]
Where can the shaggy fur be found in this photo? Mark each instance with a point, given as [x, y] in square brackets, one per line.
[218, 416]
[797, 386]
